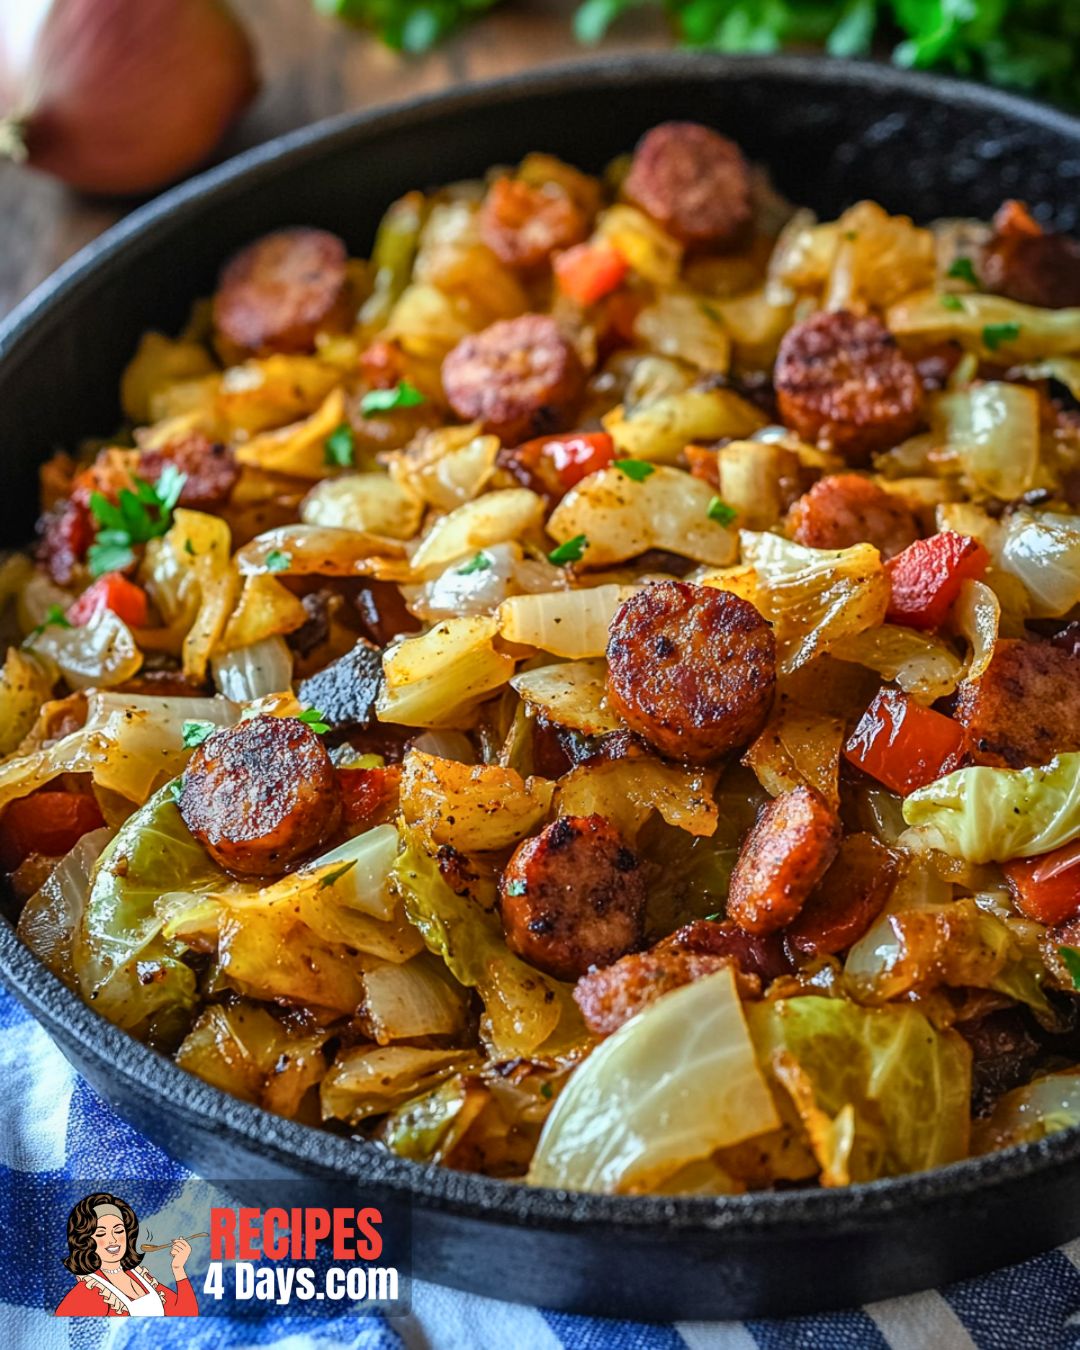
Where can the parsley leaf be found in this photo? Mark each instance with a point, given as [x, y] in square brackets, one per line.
[315, 720]
[1071, 957]
[140, 513]
[994, 334]
[278, 561]
[403, 395]
[952, 302]
[516, 887]
[570, 552]
[963, 269]
[546, 1091]
[635, 469]
[480, 562]
[337, 874]
[339, 448]
[194, 733]
[721, 512]
[54, 618]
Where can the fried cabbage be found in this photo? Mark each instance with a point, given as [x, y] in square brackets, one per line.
[671, 1086]
[522, 1007]
[985, 815]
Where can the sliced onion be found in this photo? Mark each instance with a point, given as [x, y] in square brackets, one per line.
[99, 654]
[573, 624]
[977, 615]
[475, 585]
[254, 672]
[1044, 552]
[416, 999]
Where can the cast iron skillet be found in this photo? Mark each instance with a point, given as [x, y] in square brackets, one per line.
[831, 134]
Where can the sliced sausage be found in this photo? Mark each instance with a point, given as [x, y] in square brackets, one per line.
[847, 900]
[1025, 707]
[572, 897]
[345, 691]
[1003, 1055]
[209, 468]
[520, 378]
[260, 795]
[524, 225]
[277, 293]
[760, 955]
[608, 998]
[1025, 263]
[694, 182]
[691, 669]
[843, 383]
[845, 509]
[785, 855]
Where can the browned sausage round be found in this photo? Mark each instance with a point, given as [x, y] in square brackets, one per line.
[1023, 262]
[523, 225]
[209, 469]
[784, 856]
[848, 899]
[520, 377]
[609, 997]
[260, 795]
[691, 669]
[277, 293]
[845, 509]
[572, 897]
[694, 182]
[842, 382]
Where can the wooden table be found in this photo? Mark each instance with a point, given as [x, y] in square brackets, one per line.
[312, 68]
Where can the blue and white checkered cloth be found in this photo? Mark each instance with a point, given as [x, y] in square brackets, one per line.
[53, 1125]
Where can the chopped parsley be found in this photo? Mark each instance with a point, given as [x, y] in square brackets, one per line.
[336, 874]
[194, 733]
[952, 302]
[480, 562]
[1071, 957]
[54, 618]
[339, 448]
[570, 552]
[721, 512]
[636, 469]
[994, 334]
[137, 517]
[963, 269]
[711, 312]
[315, 720]
[710, 917]
[278, 561]
[403, 395]
[516, 887]
[546, 1091]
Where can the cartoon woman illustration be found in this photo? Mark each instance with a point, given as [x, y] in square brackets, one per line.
[104, 1257]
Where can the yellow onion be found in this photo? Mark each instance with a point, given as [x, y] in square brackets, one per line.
[119, 96]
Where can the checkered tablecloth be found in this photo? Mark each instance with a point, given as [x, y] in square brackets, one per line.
[53, 1125]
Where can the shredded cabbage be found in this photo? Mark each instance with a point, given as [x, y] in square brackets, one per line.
[991, 815]
[522, 1007]
[815, 597]
[621, 517]
[572, 693]
[671, 1086]
[437, 679]
[992, 429]
[1043, 550]
[126, 967]
[472, 807]
[905, 1086]
[248, 673]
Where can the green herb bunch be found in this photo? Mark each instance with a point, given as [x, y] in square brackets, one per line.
[1032, 45]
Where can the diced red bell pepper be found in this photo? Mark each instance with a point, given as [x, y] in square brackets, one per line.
[112, 591]
[367, 793]
[1047, 888]
[561, 462]
[588, 272]
[904, 745]
[926, 577]
[48, 822]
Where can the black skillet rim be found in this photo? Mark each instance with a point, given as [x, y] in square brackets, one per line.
[152, 1078]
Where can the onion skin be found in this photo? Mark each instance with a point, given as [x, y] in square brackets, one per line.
[119, 97]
